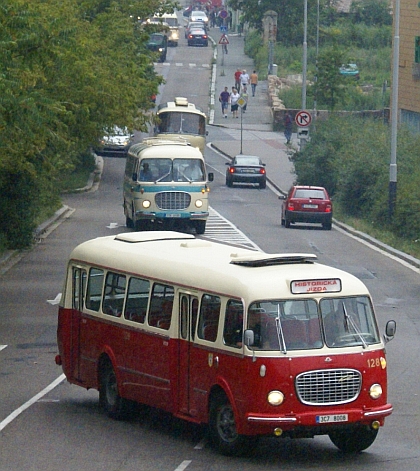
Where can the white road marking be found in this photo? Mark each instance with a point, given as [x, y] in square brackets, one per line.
[2, 347]
[55, 301]
[29, 403]
[183, 465]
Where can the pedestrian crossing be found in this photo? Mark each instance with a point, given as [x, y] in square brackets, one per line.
[190, 65]
[220, 229]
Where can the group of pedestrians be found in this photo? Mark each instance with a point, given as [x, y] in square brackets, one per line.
[242, 81]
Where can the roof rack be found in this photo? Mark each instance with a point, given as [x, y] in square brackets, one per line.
[265, 260]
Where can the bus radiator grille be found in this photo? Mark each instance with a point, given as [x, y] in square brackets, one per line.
[328, 387]
[172, 200]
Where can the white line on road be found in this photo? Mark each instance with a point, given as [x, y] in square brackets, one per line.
[28, 404]
[183, 465]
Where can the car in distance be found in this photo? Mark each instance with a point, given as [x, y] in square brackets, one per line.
[194, 24]
[199, 16]
[307, 204]
[246, 169]
[198, 37]
[158, 42]
[115, 142]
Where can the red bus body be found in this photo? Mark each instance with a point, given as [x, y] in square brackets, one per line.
[159, 368]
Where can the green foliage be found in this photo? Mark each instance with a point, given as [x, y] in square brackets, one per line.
[350, 157]
[371, 12]
[67, 71]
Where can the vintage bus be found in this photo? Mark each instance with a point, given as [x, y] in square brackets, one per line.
[181, 118]
[165, 182]
[250, 343]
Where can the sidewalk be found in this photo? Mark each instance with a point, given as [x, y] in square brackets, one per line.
[257, 135]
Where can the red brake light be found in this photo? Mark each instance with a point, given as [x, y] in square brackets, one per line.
[262, 171]
[231, 169]
[328, 208]
[205, 36]
[290, 206]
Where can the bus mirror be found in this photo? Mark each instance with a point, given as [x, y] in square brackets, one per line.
[211, 177]
[134, 177]
[249, 338]
[390, 329]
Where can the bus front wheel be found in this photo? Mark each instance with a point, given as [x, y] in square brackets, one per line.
[222, 429]
[111, 402]
[354, 441]
[200, 227]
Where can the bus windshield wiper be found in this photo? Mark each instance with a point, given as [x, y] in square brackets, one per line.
[163, 176]
[280, 335]
[350, 321]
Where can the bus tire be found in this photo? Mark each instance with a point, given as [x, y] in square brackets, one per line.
[222, 429]
[354, 441]
[110, 400]
[200, 227]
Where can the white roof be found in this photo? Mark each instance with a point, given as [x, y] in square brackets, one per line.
[201, 264]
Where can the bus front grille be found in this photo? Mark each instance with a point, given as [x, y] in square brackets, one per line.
[328, 386]
[172, 200]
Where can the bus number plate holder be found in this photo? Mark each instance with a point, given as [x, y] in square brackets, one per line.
[329, 419]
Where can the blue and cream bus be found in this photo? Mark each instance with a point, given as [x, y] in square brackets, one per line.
[166, 182]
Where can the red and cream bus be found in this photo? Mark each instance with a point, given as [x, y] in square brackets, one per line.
[250, 343]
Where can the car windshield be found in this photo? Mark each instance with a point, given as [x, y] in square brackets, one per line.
[168, 170]
[247, 161]
[305, 324]
[314, 194]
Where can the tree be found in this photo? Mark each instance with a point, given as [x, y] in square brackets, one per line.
[67, 71]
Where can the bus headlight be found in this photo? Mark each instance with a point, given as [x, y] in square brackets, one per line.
[199, 203]
[375, 391]
[275, 398]
[146, 204]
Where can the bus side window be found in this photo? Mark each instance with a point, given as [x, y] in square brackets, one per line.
[94, 289]
[137, 299]
[79, 283]
[161, 303]
[209, 317]
[114, 294]
[233, 328]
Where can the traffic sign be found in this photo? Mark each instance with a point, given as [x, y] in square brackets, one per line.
[241, 102]
[223, 14]
[303, 119]
[223, 39]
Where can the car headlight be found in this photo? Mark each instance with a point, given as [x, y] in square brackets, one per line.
[160, 49]
[199, 203]
[146, 204]
[375, 391]
[275, 398]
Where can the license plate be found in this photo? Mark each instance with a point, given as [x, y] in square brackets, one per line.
[310, 206]
[329, 419]
[173, 215]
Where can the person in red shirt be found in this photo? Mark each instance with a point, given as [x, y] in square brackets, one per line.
[238, 74]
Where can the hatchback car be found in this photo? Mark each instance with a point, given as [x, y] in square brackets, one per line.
[246, 169]
[198, 37]
[116, 142]
[158, 42]
[192, 25]
[307, 204]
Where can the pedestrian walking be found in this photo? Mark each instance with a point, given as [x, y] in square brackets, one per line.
[288, 123]
[254, 81]
[238, 74]
[244, 79]
[224, 98]
[234, 97]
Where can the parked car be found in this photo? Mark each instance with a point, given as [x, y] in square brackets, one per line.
[115, 142]
[350, 70]
[246, 169]
[307, 204]
[198, 37]
[194, 24]
[158, 42]
[199, 16]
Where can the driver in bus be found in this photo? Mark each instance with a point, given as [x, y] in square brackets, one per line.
[193, 172]
[146, 174]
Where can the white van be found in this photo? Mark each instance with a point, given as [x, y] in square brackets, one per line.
[171, 21]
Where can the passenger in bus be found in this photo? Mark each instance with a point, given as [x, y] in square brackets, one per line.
[254, 323]
[146, 174]
[193, 172]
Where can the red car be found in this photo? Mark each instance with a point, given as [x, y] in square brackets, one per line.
[307, 204]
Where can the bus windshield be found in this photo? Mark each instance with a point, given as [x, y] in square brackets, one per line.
[181, 123]
[305, 324]
[168, 170]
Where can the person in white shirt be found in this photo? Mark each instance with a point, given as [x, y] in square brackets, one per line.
[244, 79]
[234, 97]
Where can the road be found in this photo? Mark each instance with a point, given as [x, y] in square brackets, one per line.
[47, 427]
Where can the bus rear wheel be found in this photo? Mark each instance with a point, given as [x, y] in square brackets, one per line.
[354, 441]
[109, 398]
[222, 429]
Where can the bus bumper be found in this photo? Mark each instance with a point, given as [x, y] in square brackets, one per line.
[316, 423]
[152, 216]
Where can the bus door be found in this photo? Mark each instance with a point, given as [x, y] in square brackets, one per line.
[188, 313]
[79, 277]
